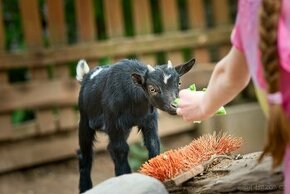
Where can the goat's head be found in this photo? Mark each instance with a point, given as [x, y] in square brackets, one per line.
[161, 84]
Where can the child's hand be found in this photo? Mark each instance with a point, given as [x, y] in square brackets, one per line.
[191, 106]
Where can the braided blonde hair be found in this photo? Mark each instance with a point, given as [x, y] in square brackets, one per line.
[278, 124]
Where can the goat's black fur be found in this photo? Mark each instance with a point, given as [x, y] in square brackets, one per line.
[115, 99]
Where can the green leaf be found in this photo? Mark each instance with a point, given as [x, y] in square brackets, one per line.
[176, 101]
[221, 111]
[192, 87]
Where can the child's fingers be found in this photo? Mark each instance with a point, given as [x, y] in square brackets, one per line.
[182, 93]
[178, 111]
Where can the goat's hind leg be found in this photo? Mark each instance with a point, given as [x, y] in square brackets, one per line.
[85, 154]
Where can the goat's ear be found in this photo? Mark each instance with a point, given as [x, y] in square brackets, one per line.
[184, 68]
[137, 78]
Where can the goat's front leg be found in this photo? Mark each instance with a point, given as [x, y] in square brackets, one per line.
[149, 128]
[85, 154]
[119, 150]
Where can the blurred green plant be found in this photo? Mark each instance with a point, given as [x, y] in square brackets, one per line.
[20, 116]
[138, 155]
[13, 27]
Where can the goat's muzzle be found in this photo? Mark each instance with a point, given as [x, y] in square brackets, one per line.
[173, 108]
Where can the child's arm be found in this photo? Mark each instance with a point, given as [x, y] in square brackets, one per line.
[229, 77]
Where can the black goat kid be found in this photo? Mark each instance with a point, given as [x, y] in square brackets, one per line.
[115, 98]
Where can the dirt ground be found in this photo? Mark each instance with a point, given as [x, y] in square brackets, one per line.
[62, 177]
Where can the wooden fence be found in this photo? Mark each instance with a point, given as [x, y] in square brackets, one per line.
[50, 91]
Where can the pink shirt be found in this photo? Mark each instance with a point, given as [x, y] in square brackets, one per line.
[245, 38]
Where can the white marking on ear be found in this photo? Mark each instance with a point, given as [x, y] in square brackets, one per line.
[169, 64]
[96, 73]
[82, 69]
[165, 78]
[150, 68]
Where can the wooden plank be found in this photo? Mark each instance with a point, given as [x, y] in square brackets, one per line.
[31, 23]
[5, 119]
[114, 18]
[24, 130]
[33, 37]
[222, 18]
[66, 115]
[67, 119]
[56, 23]
[5, 127]
[47, 150]
[142, 22]
[86, 24]
[196, 13]
[142, 17]
[57, 32]
[138, 45]
[45, 121]
[221, 12]
[169, 15]
[197, 20]
[115, 24]
[170, 20]
[85, 20]
[40, 94]
[28, 129]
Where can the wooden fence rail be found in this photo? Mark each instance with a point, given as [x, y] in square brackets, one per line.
[55, 34]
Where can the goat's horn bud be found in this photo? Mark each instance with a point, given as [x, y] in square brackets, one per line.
[169, 64]
[150, 68]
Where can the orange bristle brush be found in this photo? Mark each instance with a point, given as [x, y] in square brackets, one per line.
[172, 163]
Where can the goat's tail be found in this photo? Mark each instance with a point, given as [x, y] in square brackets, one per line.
[82, 69]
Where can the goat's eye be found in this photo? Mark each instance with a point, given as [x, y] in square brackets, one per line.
[152, 89]
[179, 83]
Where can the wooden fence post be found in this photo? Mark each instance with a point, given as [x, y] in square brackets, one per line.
[196, 13]
[33, 37]
[114, 21]
[170, 20]
[143, 25]
[222, 18]
[57, 37]
[85, 20]
[5, 119]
